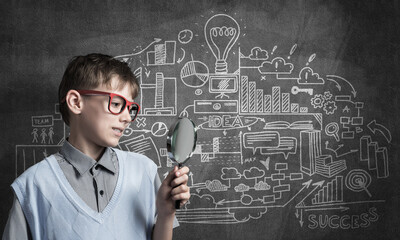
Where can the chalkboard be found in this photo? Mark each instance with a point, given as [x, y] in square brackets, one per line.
[296, 105]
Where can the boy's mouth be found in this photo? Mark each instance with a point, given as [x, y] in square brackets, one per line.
[118, 130]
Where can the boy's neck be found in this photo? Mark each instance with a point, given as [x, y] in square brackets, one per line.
[93, 152]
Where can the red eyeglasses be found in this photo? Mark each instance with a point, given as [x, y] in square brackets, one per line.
[116, 103]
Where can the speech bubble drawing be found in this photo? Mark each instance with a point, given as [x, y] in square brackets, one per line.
[288, 145]
[266, 139]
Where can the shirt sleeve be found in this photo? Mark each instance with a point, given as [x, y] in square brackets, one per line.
[17, 226]
[157, 184]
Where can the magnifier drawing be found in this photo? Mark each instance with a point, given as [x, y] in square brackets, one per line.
[332, 129]
[181, 142]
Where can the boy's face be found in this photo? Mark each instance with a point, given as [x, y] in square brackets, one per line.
[98, 127]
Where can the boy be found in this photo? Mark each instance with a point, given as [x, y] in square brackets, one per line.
[89, 190]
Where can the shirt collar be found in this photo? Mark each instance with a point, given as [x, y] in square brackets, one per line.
[107, 160]
[82, 163]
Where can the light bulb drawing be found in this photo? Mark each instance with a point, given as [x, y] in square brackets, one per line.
[221, 32]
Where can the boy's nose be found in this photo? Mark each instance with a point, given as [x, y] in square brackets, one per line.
[125, 116]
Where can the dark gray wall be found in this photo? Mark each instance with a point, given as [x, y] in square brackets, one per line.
[271, 162]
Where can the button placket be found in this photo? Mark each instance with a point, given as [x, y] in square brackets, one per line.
[97, 185]
[102, 200]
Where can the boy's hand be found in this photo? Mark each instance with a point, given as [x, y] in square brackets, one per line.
[174, 187]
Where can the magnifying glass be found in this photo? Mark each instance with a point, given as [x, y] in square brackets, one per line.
[181, 142]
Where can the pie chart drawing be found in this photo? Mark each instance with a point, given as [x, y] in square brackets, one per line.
[194, 74]
[159, 129]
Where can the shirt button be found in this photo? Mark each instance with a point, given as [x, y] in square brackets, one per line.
[101, 192]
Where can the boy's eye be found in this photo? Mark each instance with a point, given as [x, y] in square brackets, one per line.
[115, 104]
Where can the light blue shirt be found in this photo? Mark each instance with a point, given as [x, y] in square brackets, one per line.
[55, 211]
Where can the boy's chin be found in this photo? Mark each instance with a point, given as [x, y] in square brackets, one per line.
[113, 145]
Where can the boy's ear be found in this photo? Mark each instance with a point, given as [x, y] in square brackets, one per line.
[74, 102]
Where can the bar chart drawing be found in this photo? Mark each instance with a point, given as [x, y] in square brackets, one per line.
[154, 98]
[375, 156]
[163, 54]
[330, 193]
[254, 100]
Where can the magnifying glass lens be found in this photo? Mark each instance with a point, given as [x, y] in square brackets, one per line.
[183, 140]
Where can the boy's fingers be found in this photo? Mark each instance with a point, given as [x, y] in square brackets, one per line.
[181, 196]
[171, 175]
[181, 171]
[180, 189]
[176, 173]
[179, 180]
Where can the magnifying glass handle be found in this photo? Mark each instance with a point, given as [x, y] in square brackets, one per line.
[178, 202]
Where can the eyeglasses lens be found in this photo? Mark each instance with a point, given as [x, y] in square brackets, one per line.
[133, 111]
[117, 104]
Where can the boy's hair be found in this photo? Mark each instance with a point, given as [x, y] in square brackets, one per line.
[91, 71]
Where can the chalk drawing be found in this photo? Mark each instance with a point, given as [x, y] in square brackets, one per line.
[271, 133]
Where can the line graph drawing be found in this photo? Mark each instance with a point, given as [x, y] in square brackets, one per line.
[125, 56]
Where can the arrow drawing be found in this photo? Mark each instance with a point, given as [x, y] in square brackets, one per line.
[165, 175]
[297, 213]
[341, 208]
[317, 184]
[266, 163]
[332, 77]
[373, 126]
[191, 177]
[339, 205]
[336, 150]
[301, 218]
[337, 84]
[305, 185]
[147, 72]
[181, 59]
[223, 201]
[156, 40]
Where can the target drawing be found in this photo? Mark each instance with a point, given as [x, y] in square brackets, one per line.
[358, 180]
